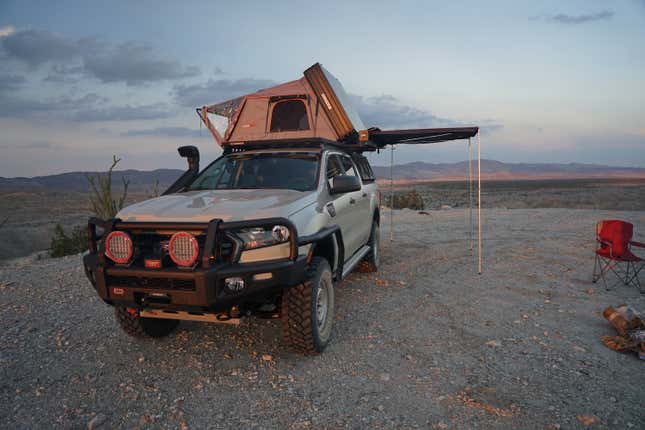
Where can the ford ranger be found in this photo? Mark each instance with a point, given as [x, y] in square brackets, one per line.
[265, 231]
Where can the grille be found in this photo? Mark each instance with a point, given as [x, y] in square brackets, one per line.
[153, 283]
[149, 244]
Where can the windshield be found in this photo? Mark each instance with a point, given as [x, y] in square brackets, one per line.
[291, 170]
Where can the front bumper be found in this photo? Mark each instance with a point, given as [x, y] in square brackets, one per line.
[201, 289]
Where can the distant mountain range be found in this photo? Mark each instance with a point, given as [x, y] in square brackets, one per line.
[145, 180]
[140, 180]
[492, 170]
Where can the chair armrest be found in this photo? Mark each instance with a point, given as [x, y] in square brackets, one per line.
[604, 242]
[638, 244]
[607, 244]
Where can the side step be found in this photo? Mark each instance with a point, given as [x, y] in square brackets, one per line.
[356, 258]
[189, 316]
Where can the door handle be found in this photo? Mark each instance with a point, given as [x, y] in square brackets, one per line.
[364, 194]
[351, 201]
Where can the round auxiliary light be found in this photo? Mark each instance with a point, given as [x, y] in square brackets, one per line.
[183, 248]
[118, 247]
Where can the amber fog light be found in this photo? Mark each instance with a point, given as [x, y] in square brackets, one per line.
[152, 263]
[183, 249]
[118, 247]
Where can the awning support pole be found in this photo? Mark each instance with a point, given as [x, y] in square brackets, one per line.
[391, 193]
[470, 195]
[479, 205]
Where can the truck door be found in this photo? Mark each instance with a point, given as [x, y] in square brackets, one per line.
[344, 207]
[361, 216]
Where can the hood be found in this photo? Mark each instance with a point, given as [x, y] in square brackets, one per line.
[227, 205]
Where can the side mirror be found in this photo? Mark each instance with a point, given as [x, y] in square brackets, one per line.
[345, 184]
[192, 154]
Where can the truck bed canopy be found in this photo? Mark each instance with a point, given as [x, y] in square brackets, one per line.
[314, 106]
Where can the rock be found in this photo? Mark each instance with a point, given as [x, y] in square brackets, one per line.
[587, 420]
[96, 422]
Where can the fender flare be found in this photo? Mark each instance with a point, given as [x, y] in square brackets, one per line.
[323, 234]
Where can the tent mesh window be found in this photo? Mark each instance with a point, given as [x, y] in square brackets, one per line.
[289, 115]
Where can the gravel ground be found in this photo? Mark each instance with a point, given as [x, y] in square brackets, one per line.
[426, 343]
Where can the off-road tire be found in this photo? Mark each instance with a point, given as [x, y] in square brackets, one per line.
[372, 260]
[300, 317]
[135, 326]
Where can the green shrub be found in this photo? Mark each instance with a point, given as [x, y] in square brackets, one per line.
[62, 244]
[410, 200]
[102, 203]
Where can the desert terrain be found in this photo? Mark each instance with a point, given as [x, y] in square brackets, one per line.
[32, 213]
[424, 343]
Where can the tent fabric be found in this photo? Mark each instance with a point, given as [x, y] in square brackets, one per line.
[227, 108]
[327, 106]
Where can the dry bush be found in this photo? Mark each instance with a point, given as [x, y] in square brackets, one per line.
[410, 200]
[62, 244]
[102, 203]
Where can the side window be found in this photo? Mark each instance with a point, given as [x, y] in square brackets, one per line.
[289, 115]
[334, 168]
[348, 166]
[364, 168]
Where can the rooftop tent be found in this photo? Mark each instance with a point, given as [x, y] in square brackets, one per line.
[314, 106]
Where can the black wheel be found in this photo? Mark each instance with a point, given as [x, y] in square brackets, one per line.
[136, 326]
[373, 258]
[308, 310]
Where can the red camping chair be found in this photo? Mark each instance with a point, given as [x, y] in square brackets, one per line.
[614, 253]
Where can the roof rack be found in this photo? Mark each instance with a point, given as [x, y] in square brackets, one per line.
[316, 142]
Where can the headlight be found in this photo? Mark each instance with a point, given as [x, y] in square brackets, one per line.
[259, 237]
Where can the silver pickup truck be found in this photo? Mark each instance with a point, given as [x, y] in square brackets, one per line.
[262, 231]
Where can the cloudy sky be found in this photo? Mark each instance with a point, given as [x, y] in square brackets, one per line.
[548, 81]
